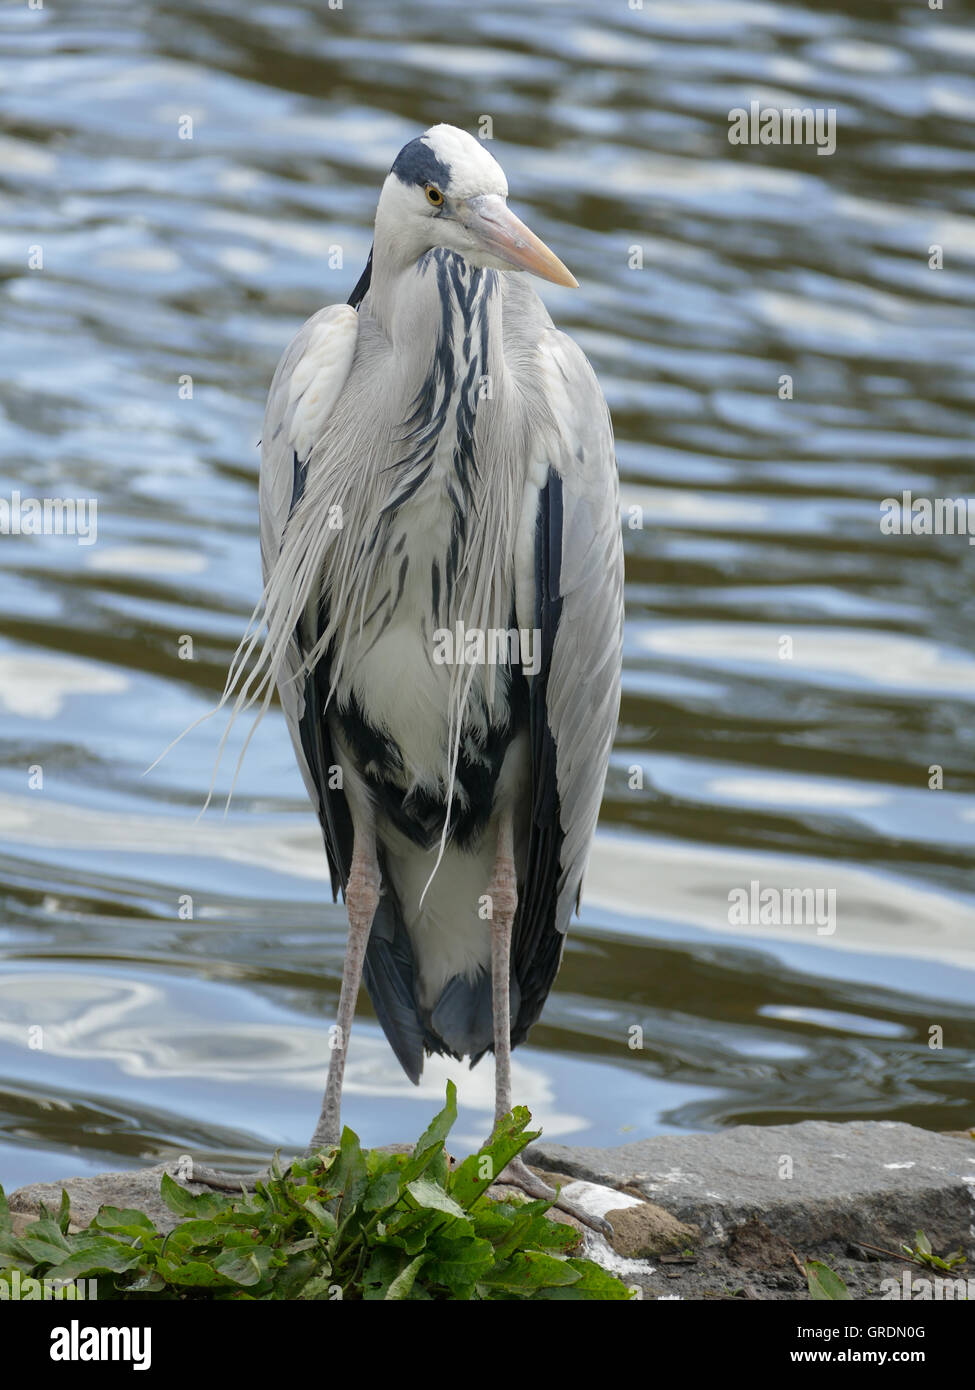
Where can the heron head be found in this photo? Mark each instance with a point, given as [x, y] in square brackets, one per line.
[445, 189]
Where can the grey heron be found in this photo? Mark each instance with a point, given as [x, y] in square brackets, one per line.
[437, 469]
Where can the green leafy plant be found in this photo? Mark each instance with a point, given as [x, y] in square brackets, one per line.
[343, 1224]
[824, 1283]
[922, 1253]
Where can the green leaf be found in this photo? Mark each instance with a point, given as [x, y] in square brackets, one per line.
[429, 1195]
[382, 1267]
[6, 1220]
[348, 1175]
[43, 1252]
[409, 1229]
[297, 1247]
[46, 1231]
[525, 1227]
[529, 1270]
[320, 1287]
[95, 1254]
[382, 1192]
[594, 1283]
[440, 1126]
[124, 1219]
[555, 1235]
[458, 1264]
[438, 1167]
[245, 1267]
[300, 1268]
[64, 1213]
[184, 1203]
[402, 1285]
[14, 1255]
[195, 1274]
[921, 1243]
[518, 1236]
[430, 1143]
[511, 1135]
[314, 1169]
[379, 1161]
[321, 1215]
[823, 1283]
[195, 1235]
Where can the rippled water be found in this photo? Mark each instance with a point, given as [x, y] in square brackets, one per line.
[792, 764]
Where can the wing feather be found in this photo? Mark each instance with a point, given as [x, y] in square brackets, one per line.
[305, 387]
[569, 587]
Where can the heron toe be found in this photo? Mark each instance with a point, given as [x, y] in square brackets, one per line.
[518, 1174]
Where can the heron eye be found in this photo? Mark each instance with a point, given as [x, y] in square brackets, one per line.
[434, 196]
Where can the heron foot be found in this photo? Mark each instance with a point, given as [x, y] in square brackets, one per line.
[224, 1181]
[518, 1174]
[227, 1182]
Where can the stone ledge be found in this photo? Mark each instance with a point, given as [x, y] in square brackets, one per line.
[869, 1180]
[135, 1187]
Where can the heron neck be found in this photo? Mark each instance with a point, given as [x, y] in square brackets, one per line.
[446, 368]
[422, 304]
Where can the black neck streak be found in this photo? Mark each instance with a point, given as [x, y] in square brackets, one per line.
[460, 360]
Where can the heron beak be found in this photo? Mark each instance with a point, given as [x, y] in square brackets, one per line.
[500, 232]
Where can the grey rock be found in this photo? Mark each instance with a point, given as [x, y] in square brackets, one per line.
[137, 1187]
[872, 1180]
[645, 1230]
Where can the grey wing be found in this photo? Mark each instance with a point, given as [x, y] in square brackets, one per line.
[569, 586]
[307, 383]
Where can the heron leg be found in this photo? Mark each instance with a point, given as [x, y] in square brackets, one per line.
[503, 892]
[361, 900]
